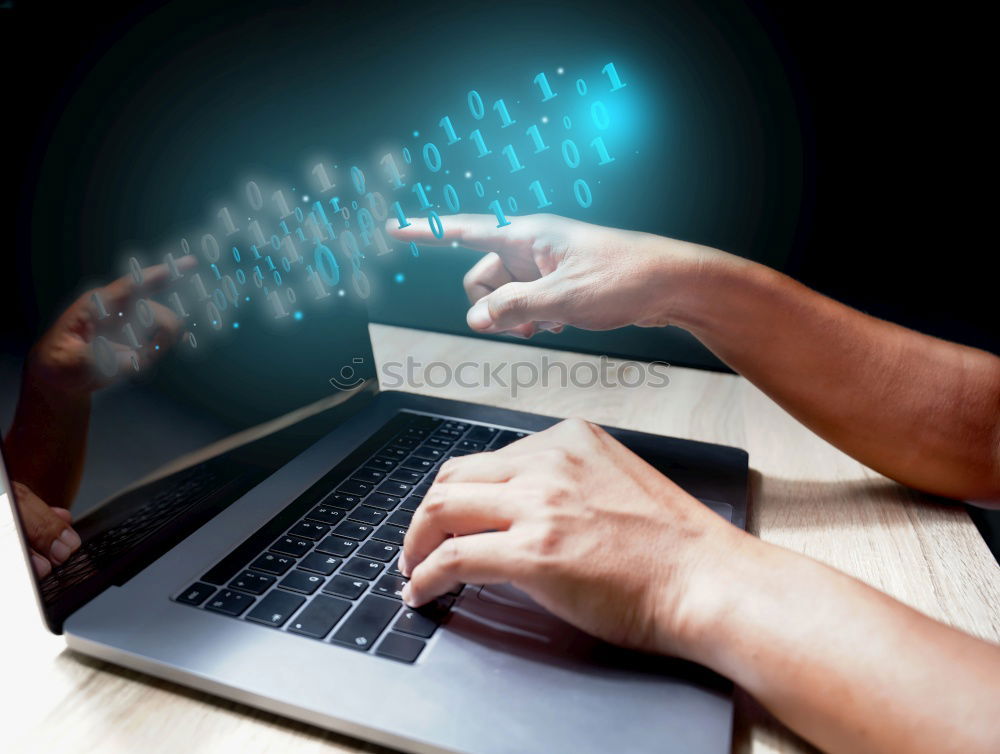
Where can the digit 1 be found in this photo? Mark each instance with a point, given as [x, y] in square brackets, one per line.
[99, 305]
[227, 221]
[199, 286]
[335, 203]
[394, 176]
[480, 144]
[291, 253]
[256, 254]
[168, 260]
[313, 226]
[279, 307]
[543, 84]
[175, 301]
[540, 146]
[215, 269]
[602, 151]
[418, 189]
[284, 227]
[616, 83]
[258, 234]
[512, 156]
[498, 210]
[316, 284]
[403, 222]
[129, 332]
[501, 108]
[324, 180]
[536, 188]
[449, 130]
[320, 212]
[380, 244]
[283, 208]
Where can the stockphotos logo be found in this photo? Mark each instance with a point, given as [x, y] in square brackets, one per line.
[513, 376]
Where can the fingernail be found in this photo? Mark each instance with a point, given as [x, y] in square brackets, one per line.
[63, 547]
[42, 567]
[403, 566]
[406, 595]
[479, 316]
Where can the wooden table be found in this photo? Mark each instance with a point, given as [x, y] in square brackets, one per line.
[806, 496]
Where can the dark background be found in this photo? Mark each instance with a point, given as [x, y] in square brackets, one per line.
[845, 144]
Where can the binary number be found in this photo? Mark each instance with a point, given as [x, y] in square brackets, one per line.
[498, 211]
[599, 114]
[199, 287]
[400, 215]
[582, 193]
[515, 165]
[283, 208]
[95, 299]
[501, 108]
[602, 151]
[394, 176]
[175, 273]
[543, 84]
[358, 179]
[418, 189]
[536, 137]
[451, 198]
[536, 188]
[185, 247]
[175, 302]
[512, 203]
[291, 253]
[581, 87]
[324, 180]
[210, 247]
[434, 220]
[571, 155]
[236, 255]
[414, 249]
[449, 130]
[227, 221]
[258, 234]
[480, 144]
[616, 83]
[254, 196]
[407, 158]
[480, 191]
[476, 105]
[567, 122]
[377, 202]
[327, 265]
[135, 270]
[432, 157]
[277, 305]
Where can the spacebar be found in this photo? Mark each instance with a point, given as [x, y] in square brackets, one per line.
[363, 626]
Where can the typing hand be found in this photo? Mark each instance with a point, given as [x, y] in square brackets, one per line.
[544, 271]
[587, 528]
[51, 538]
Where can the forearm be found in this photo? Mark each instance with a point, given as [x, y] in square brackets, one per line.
[847, 667]
[918, 409]
[46, 444]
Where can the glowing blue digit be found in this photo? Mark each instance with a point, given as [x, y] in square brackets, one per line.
[602, 151]
[599, 114]
[230, 288]
[501, 108]
[434, 220]
[543, 84]
[221, 303]
[449, 130]
[394, 176]
[480, 191]
[616, 83]
[254, 196]
[327, 265]
[451, 198]
[210, 247]
[366, 224]
[324, 180]
[571, 155]
[414, 249]
[476, 105]
[299, 217]
[215, 269]
[480, 144]
[515, 165]
[377, 202]
[536, 188]
[283, 208]
[536, 137]
[358, 178]
[432, 157]
[582, 193]
[512, 203]
[407, 158]
[418, 189]
[498, 211]
[284, 227]
[275, 242]
[400, 215]
[581, 87]
[567, 122]
[241, 277]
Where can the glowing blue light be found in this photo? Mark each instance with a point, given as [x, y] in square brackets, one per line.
[400, 277]
[248, 298]
[297, 315]
[236, 325]
[416, 134]
[156, 348]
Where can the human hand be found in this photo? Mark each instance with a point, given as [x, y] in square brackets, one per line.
[63, 359]
[51, 538]
[544, 271]
[588, 529]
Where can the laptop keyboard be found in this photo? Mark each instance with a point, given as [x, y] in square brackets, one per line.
[331, 574]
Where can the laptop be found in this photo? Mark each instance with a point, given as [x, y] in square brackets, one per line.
[240, 536]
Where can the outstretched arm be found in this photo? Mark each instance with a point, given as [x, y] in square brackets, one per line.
[915, 408]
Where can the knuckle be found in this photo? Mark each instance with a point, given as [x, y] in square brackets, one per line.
[451, 558]
[448, 469]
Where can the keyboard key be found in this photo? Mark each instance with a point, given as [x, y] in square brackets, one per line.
[292, 546]
[385, 462]
[412, 503]
[365, 515]
[400, 518]
[352, 487]
[400, 647]
[444, 443]
[342, 501]
[421, 489]
[322, 614]
[506, 437]
[368, 620]
[392, 534]
[276, 608]
[394, 488]
[363, 568]
[425, 422]
[390, 586]
[406, 475]
[195, 594]
[326, 514]
[272, 562]
[454, 434]
[393, 570]
[457, 426]
[337, 546]
[378, 551]
[470, 446]
[385, 502]
[418, 464]
[395, 454]
[229, 602]
[301, 581]
[423, 622]
[320, 563]
[344, 586]
[405, 442]
[309, 530]
[485, 435]
[417, 432]
[369, 474]
[352, 530]
[429, 453]
[255, 583]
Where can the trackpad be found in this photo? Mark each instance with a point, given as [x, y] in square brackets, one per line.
[509, 595]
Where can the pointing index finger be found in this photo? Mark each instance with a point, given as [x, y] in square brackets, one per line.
[479, 232]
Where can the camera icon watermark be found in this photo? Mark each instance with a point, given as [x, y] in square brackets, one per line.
[348, 376]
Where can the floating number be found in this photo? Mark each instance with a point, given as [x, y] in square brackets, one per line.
[536, 137]
[434, 220]
[602, 151]
[135, 269]
[570, 153]
[400, 215]
[505, 119]
[498, 211]
[581, 87]
[480, 191]
[476, 105]
[418, 189]
[324, 180]
[432, 157]
[582, 193]
[358, 178]
[327, 265]
[477, 137]
[414, 249]
[283, 208]
[227, 221]
[599, 114]
[536, 188]
[616, 83]
[254, 196]
[449, 130]
[543, 84]
[394, 176]
[451, 198]
[98, 303]
[515, 165]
